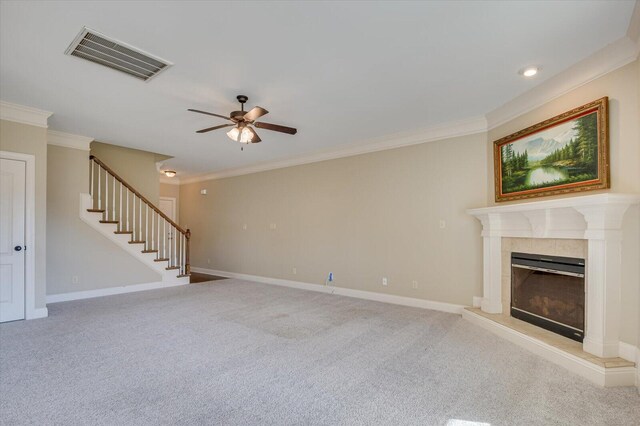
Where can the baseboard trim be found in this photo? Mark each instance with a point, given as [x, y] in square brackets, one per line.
[608, 377]
[627, 351]
[638, 368]
[37, 313]
[341, 291]
[109, 291]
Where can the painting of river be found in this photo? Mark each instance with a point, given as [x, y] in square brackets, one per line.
[561, 154]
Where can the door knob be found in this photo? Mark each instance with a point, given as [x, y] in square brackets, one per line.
[17, 248]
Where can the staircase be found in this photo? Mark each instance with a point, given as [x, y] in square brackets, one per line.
[123, 215]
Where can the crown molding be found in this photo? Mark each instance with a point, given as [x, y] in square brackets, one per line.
[434, 133]
[608, 59]
[68, 140]
[23, 114]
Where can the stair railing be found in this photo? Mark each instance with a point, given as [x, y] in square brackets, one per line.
[133, 214]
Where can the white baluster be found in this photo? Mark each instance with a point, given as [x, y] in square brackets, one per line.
[178, 241]
[158, 239]
[127, 209]
[139, 219]
[153, 230]
[184, 254]
[120, 215]
[179, 234]
[106, 195]
[113, 210]
[181, 254]
[146, 227]
[175, 252]
[91, 182]
[99, 196]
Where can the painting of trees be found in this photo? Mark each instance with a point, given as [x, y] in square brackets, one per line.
[567, 151]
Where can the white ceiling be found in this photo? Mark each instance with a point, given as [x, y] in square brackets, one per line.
[342, 73]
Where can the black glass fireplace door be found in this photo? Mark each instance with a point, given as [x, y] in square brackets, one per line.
[549, 298]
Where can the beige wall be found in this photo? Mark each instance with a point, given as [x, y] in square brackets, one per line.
[136, 167]
[622, 86]
[172, 191]
[17, 137]
[363, 218]
[74, 248]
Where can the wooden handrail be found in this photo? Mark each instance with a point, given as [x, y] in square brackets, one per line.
[183, 231]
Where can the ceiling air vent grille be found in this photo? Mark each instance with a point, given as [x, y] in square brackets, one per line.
[98, 48]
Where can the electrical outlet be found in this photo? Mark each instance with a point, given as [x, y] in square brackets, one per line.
[384, 281]
[74, 279]
[414, 284]
[244, 226]
[272, 226]
[294, 270]
[442, 224]
[208, 261]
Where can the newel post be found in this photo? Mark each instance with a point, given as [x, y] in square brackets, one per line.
[187, 265]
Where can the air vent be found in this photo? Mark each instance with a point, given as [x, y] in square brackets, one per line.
[98, 48]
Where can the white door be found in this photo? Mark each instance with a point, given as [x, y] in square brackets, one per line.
[168, 207]
[12, 237]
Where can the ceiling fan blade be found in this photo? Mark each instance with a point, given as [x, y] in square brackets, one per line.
[255, 113]
[255, 138]
[214, 128]
[276, 128]
[209, 113]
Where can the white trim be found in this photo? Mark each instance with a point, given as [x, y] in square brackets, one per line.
[39, 313]
[109, 291]
[174, 202]
[68, 140]
[615, 55]
[621, 376]
[638, 367]
[627, 351]
[437, 132]
[31, 311]
[594, 218]
[122, 240]
[341, 291]
[23, 114]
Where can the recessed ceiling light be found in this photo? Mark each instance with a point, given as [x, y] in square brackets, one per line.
[529, 71]
[169, 173]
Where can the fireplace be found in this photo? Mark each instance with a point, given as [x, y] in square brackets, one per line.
[549, 291]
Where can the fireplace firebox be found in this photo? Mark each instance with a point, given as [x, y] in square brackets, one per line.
[549, 291]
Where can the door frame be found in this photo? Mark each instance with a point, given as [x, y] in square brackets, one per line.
[30, 311]
[174, 203]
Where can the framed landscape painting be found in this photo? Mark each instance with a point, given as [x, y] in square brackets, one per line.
[567, 153]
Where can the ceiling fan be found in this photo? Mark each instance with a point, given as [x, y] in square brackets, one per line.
[243, 121]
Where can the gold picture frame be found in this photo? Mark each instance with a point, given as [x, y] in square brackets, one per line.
[564, 154]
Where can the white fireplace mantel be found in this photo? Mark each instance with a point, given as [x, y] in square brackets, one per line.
[595, 218]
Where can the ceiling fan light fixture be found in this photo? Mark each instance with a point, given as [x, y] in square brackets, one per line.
[169, 173]
[243, 136]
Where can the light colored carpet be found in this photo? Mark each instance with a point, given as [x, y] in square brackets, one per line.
[238, 353]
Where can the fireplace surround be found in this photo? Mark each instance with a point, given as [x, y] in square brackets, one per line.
[596, 220]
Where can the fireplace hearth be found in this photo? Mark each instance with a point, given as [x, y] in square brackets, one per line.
[551, 225]
[549, 291]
